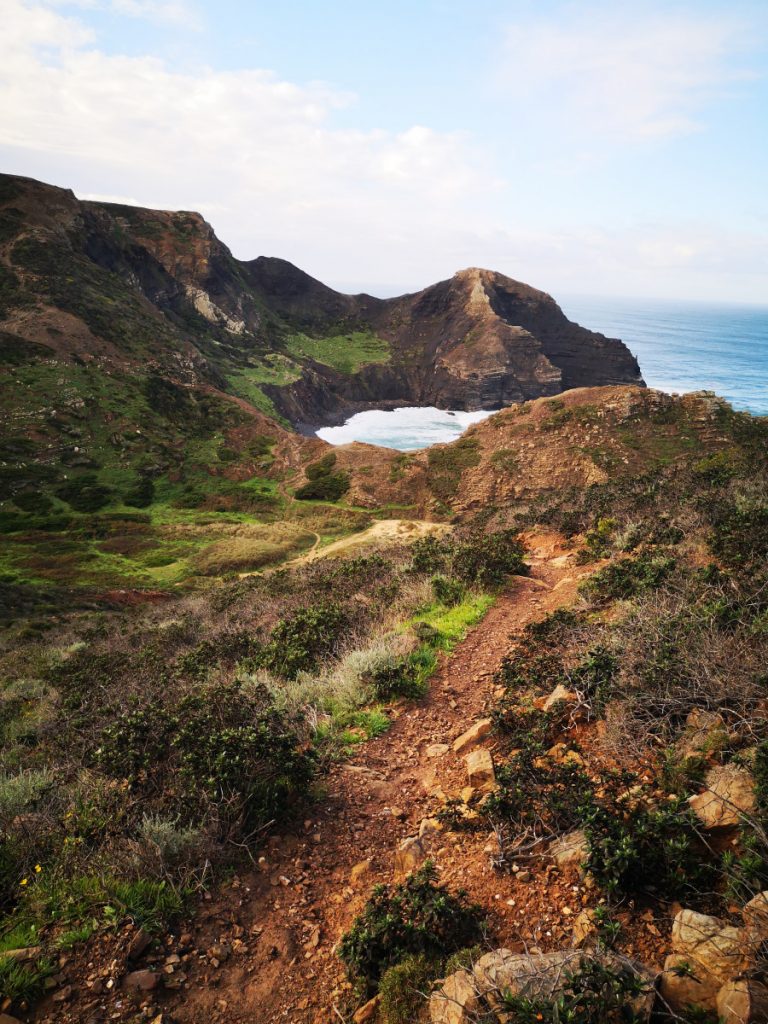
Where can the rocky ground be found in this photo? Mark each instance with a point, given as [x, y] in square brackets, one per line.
[264, 948]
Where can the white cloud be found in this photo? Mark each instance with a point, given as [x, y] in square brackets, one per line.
[265, 161]
[262, 149]
[631, 73]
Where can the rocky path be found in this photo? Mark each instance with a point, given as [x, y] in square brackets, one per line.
[275, 931]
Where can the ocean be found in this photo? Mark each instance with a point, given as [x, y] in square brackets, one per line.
[687, 346]
[681, 346]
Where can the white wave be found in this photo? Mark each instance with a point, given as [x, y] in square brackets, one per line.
[404, 429]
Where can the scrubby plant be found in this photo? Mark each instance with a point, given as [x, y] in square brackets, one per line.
[628, 577]
[429, 554]
[324, 483]
[299, 642]
[398, 676]
[447, 590]
[416, 917]
[635, 848]
[405, 988]
[488, 559]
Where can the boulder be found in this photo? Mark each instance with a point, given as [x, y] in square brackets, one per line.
[543, 976]
[560, 693]
[474, 735]
[410, 855]
[730, 794]
[706, 953]
[570, 850]
[437, 749]
[744, 1001]
[456, 1002]
[429, 826]
[480, 770]
[755, 915]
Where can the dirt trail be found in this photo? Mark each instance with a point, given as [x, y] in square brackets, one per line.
[285, 919]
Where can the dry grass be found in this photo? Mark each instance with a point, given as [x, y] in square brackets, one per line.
[252, 548]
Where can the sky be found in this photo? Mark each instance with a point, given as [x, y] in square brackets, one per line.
[586, 148]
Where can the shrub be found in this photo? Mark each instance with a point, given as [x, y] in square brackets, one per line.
[634, 848]
[297, 644]
[142, 494]
[536, 797]
[628, 577]
[398, 676]
[429, 554]
[487, 559]
[447, 591]
[84, 493]
[403, 989]
[169, 846]
[414, 918]
[323, 483]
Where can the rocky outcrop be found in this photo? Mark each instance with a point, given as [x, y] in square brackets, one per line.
[484, 989]
[477, 340]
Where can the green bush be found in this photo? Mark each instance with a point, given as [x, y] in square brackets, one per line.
[628, 577]
[84, 493]
[141, 495]
[297, 644]
[634, 849]
[397, 677]
[488, 559]
[429, 554]
[323, 483]
[223, 745]
[414, 918]
[448, 591]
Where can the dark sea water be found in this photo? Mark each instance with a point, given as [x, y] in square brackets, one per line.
[684, 346]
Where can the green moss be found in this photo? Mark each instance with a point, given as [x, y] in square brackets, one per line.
[347, 353]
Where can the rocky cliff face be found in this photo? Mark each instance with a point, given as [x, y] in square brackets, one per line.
[141, 288]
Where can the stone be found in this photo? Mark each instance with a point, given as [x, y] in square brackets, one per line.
[138, 944]
[730, 794]
[410, 855]
[704, 733]
[456, 1002]
[429, 826]
[570, 850]
[755, 915]
[437, 749]
[480, 770]
[21, 955]
[712, 951]
[141, 981]
[474, 735]
[359, 872]
[743, 1001]
[542, 976]
[680, 990]
[584, 928]
[368, 1011]
[560, 693]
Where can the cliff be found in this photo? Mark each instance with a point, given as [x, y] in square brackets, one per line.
[137, 287]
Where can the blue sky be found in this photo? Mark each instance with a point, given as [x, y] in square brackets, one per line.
[589, 148]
